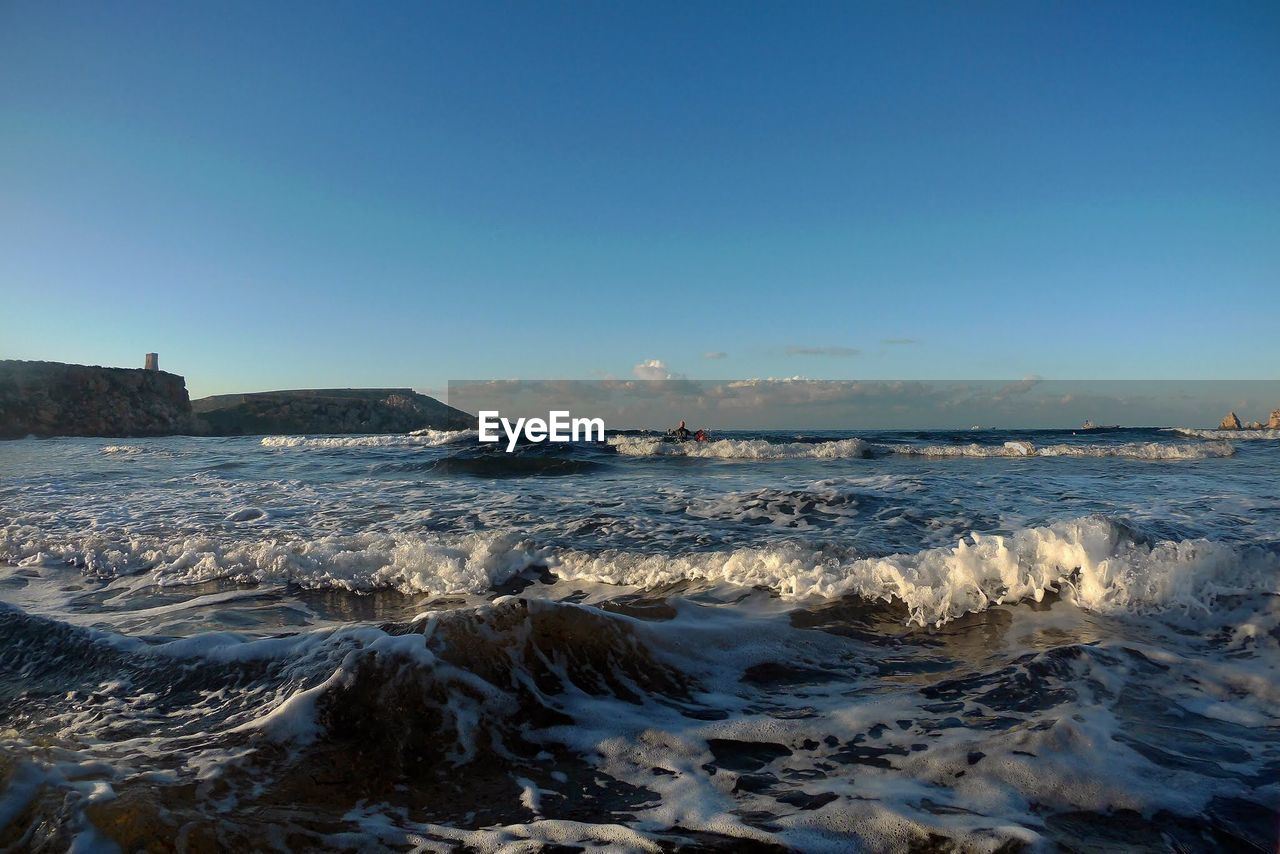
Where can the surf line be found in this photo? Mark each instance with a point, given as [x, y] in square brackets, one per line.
[559, 426]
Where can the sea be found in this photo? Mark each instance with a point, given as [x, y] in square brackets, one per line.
[978, 640]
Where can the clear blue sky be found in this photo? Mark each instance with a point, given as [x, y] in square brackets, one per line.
[328, 194]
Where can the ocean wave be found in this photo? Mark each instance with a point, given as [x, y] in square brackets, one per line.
[123, 450]
[1131, 450]
[429, 438]
[1097, 562]
[740, 449]
[854, 448]
[134, 451]
[1008, 449]
[715, 726]
[1101, 564]
[1226, 434]
[469, 563]
[442, 437]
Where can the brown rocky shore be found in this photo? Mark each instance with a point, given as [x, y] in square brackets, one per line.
[1232, 422]
[45, 399]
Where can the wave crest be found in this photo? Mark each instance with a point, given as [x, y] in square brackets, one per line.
[1104, 566]
[1226, 434]
[740, 449]
[462, 564]
[761, 449]
[428, 438]
[1131, 450]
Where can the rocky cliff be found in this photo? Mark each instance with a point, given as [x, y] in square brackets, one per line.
[360, 410]
[57, 399]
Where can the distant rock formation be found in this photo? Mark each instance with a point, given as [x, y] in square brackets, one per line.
[56, 399]
[344, 410]
[1231, 422]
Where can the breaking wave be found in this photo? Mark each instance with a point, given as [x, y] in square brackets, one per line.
[740, 449]
[1226, 434]
[469, 563]
[760, 449]
[1131, 450]
[428, 438]
[1103, 565]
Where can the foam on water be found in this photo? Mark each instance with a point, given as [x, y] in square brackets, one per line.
[1226, 434]
[470, 563]
[124, 450]
[1100, 564]
[761, 449]
[428, 438]
[1132, 450]
[1097, 562]
[739, 449]
[613, 714]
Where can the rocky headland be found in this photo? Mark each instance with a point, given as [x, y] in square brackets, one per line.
[45, 399]
[57, 399]
[339, 410]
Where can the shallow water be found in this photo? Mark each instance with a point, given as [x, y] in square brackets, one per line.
[989, 639]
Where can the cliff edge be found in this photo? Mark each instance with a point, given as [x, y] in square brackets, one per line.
[56, 399]
[338, 410]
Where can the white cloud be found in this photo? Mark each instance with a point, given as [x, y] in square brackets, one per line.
[715, 354]
[898, 342]
[652, 369]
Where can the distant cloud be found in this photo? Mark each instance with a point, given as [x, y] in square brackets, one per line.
[653, 369]
[833, 352]
[898, 342]
[714, 354]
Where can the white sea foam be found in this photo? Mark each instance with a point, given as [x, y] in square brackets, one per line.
[1097, 562]
[428, 437]
[123, 450]
[1143, 450]
[1102, 567]
[1008, 449]
[1132, 450]
[759, 449]
[468, 563]
[1226, 434]
[740, 449]
[442, 437]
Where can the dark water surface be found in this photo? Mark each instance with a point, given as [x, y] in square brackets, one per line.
[915, 640]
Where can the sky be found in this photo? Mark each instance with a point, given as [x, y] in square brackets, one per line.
[283, 195]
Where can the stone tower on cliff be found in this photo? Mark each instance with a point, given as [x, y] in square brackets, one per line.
[153, 361]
